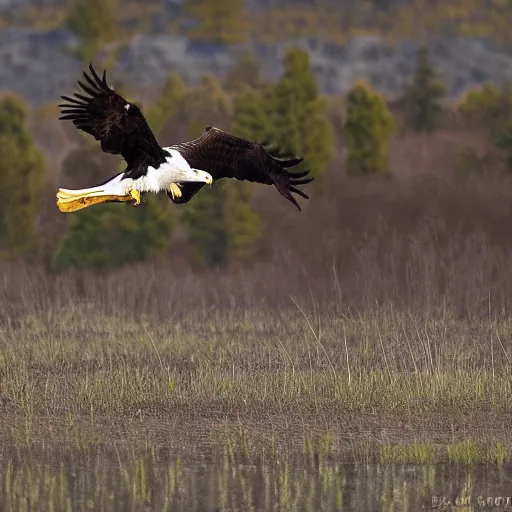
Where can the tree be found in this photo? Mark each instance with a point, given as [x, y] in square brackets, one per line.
[218, 21]
[487, 108]
[504, 142]
[95, 24]
[245, 73]
[368, 129]
[298, 122]
[422, 96]
[243, 225]
[23, 175]
[168, 105]
[221, 225]
[252, 117]
[113, 235]
[222, 228]
[110, 235]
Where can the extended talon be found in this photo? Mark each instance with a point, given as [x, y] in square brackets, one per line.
[175, 190]
[136, 195]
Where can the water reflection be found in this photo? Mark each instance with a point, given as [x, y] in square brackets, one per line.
[120, 480]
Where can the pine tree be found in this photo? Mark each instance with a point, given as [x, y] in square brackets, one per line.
[368, 129]
[487, 108]
[203, 217]
[168, 106]
[422, 97]
[299, 123]
[23, 176]
[252, 117]
[95, 24]
[243, 225]
[222, 228]
[245, 73]
[218, 21]
[113, 235]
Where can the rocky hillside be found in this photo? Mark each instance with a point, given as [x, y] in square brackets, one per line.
[38, 63]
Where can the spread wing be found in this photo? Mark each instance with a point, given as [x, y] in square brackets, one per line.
[117, 124]
[226, 156]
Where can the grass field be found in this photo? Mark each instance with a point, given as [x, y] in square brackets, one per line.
[380, 384]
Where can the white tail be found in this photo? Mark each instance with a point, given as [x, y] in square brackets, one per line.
[114, 187]
[71, 200]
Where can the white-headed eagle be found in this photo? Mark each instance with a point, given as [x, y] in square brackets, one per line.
[180, 170]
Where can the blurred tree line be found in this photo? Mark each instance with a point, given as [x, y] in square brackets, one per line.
[221, 225]
[234, 21]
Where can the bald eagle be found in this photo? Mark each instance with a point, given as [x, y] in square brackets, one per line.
[180, 170]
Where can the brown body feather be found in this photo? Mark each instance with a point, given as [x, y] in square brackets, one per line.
[224, 155]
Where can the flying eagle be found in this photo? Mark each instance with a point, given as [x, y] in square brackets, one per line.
[180, 170]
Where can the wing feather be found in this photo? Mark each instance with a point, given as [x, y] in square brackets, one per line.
[103, 115]
[224, 155]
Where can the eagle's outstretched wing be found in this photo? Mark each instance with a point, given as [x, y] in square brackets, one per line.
[118, 125]
[227, 156]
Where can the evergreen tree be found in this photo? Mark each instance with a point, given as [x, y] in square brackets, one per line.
[203, 218]
[208, 100]
[422, 97]
[368, 129]
[168, 106]
[487, 108]
[245, 73]
[22, 171]
[252, 117]
[95, 24]
[504, 142]
[299, 123]
[222, 228]
[113, 235]
[243, 225]
[86, 164]
[218, 21]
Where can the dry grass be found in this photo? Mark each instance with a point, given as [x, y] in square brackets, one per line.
[260, 380]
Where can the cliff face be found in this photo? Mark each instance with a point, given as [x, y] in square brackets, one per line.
[40, 66]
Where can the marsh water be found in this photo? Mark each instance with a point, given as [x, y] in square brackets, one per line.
[118, 479]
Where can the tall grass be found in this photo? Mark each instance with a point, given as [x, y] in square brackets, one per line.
[259, 379]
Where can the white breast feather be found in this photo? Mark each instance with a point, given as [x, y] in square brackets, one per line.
[161, 178]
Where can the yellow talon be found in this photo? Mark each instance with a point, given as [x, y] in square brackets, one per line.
[136, 195]
[175, 190]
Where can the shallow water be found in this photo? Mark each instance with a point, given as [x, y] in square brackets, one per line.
[63, 479]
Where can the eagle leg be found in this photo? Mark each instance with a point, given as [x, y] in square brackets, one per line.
[175, 190]
[136, 195]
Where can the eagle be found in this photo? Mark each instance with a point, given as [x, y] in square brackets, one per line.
[180, 170]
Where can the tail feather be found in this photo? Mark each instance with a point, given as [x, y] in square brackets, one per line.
[69, 200]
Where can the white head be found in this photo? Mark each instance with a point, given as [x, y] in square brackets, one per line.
[182, 172]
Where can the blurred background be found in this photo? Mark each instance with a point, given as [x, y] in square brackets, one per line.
[402, 109]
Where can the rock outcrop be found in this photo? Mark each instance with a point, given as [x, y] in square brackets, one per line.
[39, 65]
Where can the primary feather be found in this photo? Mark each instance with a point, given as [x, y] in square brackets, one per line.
[119, 126]
[224, 155]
